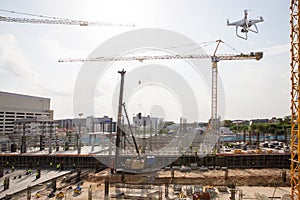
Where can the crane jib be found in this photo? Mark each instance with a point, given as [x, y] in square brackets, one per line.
[216, 58]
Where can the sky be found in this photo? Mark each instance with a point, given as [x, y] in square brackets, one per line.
[29, 55]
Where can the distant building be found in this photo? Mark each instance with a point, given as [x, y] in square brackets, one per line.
[258, 121]
[240, 122]
[40, 125]
[19, 106]
[88, 124]
[153, 123]
[274, 120]
[31, 133]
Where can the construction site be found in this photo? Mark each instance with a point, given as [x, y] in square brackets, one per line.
[184, 161]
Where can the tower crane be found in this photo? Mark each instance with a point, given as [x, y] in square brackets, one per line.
[215, 58]
[42, 19]
[59, 21]
[295, 98]
[214, 121]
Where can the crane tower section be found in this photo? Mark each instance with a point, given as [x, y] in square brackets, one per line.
[295, 99]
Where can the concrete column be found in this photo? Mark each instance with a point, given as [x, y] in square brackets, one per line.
[226, 174]
[54, 185]
[90, 193]
[93, 138]
[90, 139]
[28, 192]
[167, 190]
[106, 188]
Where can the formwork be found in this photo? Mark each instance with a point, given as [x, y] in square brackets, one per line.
[90, 161]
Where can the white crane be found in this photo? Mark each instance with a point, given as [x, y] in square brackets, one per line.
[42, 19]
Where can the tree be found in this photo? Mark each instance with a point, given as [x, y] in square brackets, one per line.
[244, 129]
[227, 123]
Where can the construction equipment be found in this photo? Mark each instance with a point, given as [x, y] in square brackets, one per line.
[137, 163]
[38, 194]
[134, 164]
[295, 100]
[133, 138]
[42, 19]
[78, 190]
[119, 130]
[60, 195]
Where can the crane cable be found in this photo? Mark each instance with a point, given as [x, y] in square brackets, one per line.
[200, 45]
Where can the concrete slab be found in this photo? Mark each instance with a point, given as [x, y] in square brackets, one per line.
[17, 184]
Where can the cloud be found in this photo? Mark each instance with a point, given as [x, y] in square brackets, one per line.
[54, 48]
[12, 58]
[276, 50]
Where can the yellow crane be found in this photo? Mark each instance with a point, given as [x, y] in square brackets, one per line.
[295, 98]
[215, 58]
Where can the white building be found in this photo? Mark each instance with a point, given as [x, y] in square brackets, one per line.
[89, 124]
[18, 106]
[150, 123]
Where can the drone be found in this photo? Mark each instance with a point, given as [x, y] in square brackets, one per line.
[245, 25]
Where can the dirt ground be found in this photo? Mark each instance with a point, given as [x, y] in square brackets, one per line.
[239, 177]
[263, 180]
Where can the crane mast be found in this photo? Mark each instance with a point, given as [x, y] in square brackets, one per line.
[295, 99]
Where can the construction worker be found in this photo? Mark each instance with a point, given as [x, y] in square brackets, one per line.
[51, 164]
[6, 183]
[58, 166]
[12, 168]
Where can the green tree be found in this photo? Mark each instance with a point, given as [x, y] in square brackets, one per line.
[227, 123]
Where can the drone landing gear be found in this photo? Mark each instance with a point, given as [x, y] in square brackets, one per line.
[245, 30]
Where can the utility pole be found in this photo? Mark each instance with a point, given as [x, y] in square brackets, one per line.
[79, 135]
[119, 130]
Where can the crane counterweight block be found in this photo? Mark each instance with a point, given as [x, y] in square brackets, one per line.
[259, 55]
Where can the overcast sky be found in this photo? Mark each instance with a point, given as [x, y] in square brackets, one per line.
[253, 89]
